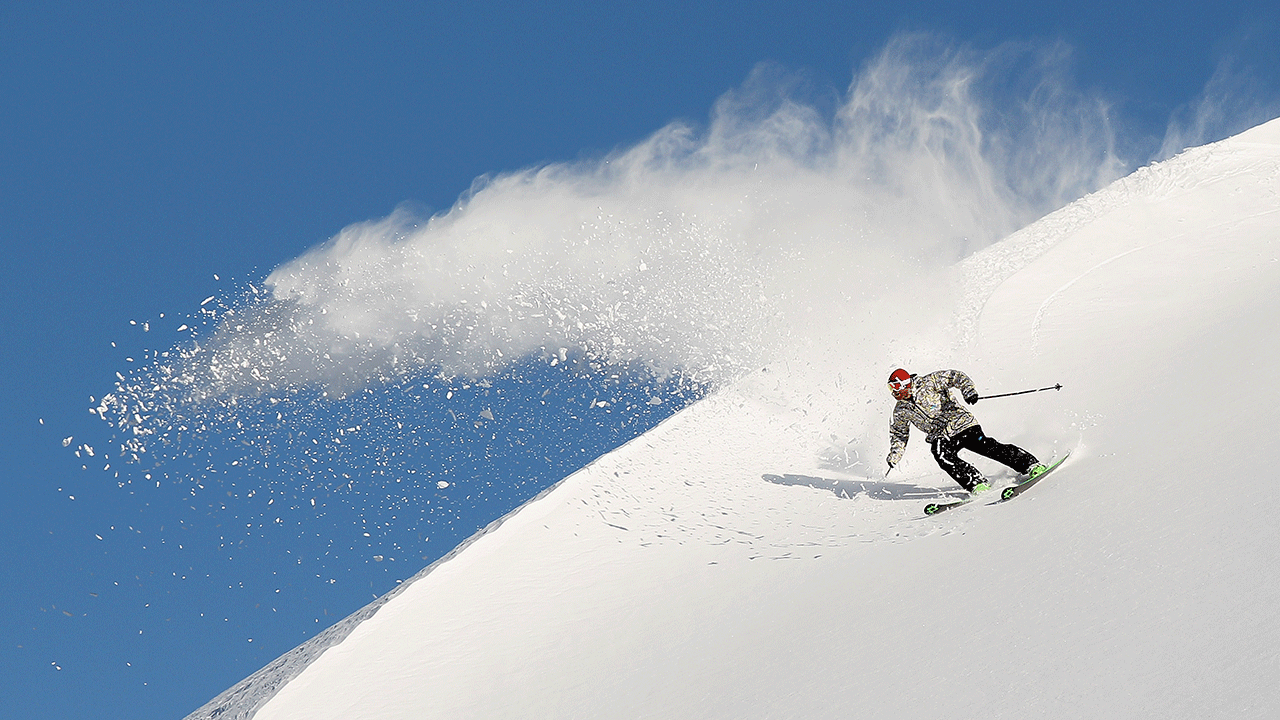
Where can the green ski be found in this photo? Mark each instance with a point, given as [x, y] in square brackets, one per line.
[1014, 491]
[1008, 493]
[935, 508]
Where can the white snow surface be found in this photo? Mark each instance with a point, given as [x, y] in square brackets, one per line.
[748, 558]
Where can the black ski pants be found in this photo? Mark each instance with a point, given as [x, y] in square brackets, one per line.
[947, 452]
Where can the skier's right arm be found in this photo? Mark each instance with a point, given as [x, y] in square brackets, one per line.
[899, 431]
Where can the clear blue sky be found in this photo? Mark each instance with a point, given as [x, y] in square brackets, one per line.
[147, 147]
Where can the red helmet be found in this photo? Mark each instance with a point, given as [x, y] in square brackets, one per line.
[900, 384]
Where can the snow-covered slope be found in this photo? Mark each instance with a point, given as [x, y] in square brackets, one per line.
[747, 558]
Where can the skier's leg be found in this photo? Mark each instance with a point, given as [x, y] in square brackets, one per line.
[1013, 456]
[946, 452]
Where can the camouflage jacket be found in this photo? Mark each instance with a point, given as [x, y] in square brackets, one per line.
[932, 409]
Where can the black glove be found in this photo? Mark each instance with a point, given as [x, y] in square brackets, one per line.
[971, 397]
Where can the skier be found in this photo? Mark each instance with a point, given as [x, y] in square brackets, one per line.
[926, 402]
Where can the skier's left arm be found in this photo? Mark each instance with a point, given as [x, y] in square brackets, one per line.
[962, 382]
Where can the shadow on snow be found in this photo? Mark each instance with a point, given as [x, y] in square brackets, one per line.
[850, 489]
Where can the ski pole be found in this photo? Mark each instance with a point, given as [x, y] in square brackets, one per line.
[1023, 392]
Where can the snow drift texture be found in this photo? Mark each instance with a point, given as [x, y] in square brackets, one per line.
[747, 559]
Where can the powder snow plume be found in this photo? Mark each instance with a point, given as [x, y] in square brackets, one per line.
[692, 250]
[684, 260]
